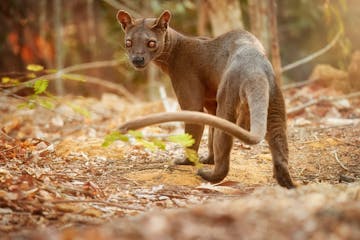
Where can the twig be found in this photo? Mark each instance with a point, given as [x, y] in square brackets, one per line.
[117, 87]
[321, 99]
[4, 156]
[79, 67]
[298, 84]
[38, 104]
[338, 160]
[313, 55]
[345, 142]
[98, 202]
[9, 149]
[2, 131]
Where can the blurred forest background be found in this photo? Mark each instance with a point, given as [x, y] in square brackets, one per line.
[56, 176]
[58, 34]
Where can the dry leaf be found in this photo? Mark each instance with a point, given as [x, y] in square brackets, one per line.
[93, 212]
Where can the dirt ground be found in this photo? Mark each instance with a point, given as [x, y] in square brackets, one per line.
[56, 177]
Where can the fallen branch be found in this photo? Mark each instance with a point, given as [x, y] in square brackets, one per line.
[116, 87]
[313, 55]
[98, 202]
[321, 99]
[339, 162]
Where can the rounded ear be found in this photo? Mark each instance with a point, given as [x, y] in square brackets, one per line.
[124, 19]
[163, 21]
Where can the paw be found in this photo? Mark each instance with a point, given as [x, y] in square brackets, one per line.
[207, 160]
[183, 161]
[205, 174]
[282, 176]
[209, 176]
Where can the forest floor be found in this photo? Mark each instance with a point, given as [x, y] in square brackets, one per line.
[56, 177]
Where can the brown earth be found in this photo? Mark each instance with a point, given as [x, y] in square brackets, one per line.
[55, 173]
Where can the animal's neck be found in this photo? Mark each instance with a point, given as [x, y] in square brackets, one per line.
[172, 39]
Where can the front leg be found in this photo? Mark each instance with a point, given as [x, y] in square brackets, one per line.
[190, 95]
[196, 132]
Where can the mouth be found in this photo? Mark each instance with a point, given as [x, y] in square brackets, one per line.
[139, 67]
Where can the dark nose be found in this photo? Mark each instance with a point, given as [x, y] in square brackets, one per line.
[138, 61]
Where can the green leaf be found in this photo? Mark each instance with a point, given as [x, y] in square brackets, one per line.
[10, 81]
[112, 137]
[31, 75]
[22, 105]
[29, 104]
[34, 67]
[5, 80]
[136, 134]
[80, 110]
[185, 139]
[29, 84]
[159, 143]
[46, 103]
[147, 144]
[192, 155]
[40, 86]
[51, 70]
[74, 77]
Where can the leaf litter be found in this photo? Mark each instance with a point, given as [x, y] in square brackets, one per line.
[55, 174]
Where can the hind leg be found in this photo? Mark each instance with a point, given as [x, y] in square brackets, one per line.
[210, 157]
[222, 148]
[222, 142]
[277, 139]
[211, 109]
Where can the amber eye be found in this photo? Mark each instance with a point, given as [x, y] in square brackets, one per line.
[128, 43]
[151, 44]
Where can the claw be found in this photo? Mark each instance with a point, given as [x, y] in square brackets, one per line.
[209, 176]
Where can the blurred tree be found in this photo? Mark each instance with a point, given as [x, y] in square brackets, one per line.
[90, 31]
[263, 24]
[259, 19]
[59, 50]
[224, 15]
[275, 48]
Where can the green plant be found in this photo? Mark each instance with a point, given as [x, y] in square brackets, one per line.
[41, 96]
[153, 144]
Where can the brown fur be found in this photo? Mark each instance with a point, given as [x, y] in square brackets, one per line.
[228, 76]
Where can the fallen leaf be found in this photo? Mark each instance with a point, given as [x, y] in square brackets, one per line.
[93, 212]
[8, 196]
[222, 189]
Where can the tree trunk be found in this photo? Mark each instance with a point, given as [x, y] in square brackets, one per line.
[263, 24]
[59, 55]
[258, 13]
[224, 15]
[91, 29]
[202, 18]
[275, 49]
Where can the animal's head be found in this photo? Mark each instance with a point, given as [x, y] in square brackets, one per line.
[144, 38]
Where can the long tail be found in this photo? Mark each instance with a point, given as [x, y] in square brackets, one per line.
[194, 118]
